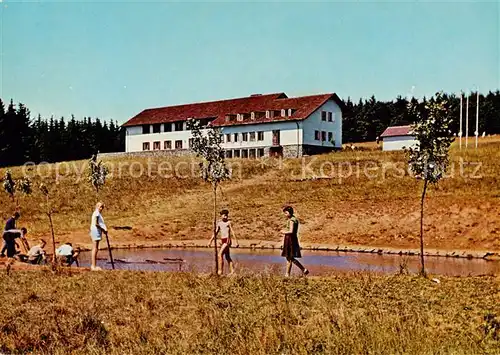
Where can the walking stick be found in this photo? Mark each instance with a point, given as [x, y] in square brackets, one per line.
[110, 254]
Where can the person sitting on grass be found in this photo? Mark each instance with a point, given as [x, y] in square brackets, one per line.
[66, 255]
[37, 255]
[291, 247]
[225, 228]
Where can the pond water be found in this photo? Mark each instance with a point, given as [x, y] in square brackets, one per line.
[270, 261]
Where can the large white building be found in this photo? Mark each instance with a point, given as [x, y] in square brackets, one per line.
[253, 126]
[398, 138]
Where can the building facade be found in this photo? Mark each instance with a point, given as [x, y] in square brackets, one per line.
[251, 127]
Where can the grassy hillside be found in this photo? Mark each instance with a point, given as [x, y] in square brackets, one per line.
[375, 204]
[181, 313]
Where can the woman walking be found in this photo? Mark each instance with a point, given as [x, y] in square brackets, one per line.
[97, 229]
[291, 247]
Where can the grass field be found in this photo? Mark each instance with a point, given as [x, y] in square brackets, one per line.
[181, 313]
[351, 197]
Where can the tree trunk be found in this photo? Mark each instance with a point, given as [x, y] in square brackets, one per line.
[215, 231]
[422, 269]
[53, 239]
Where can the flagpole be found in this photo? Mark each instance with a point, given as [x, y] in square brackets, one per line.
[467, 123]
[477, 116]
[461, 114]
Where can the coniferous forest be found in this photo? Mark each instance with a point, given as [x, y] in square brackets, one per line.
[37, 139]
[25, 138]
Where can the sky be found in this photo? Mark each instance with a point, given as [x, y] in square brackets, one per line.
[113, 59]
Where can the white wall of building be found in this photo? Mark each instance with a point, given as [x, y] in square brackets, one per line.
[315, 123]
[398, 142]
[134, 138]
[289, 134]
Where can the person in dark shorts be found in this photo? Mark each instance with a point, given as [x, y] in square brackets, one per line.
[10, 237]
[291, 247]
[66, 255]
[225, 229]
[9, 225]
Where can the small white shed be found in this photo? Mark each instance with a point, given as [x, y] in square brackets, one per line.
[397, 138]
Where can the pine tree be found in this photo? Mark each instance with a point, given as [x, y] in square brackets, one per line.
[2, 133]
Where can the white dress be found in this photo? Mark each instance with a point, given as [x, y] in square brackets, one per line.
[96, 233]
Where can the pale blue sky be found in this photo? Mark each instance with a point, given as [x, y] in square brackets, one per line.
[112, 59]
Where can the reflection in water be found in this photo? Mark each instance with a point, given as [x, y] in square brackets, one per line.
[270, 261]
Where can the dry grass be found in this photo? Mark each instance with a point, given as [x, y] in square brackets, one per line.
[146, 313]
[462, 212]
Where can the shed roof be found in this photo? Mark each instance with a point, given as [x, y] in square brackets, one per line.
[395, 131]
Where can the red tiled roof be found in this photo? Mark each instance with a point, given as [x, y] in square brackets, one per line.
[302, 106]
[397, 131]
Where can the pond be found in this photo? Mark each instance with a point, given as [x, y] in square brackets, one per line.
[270, 261]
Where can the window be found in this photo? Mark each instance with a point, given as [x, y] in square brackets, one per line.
[145, 129]
[178, 144]
[323, 115]
[330, 137]
[244, 153]
[145, 146]
[252, 136]
[276, 137]
[229, 154]
[235, 137]
[157, 128]
[260, 153]
[260, 136]
[323, 136]
[167, 145]
[317, 135]
[330, 117]
[245, 136]
[252, 153]
[228, 138]
[236, 153]
[168, 127]
[179, 126]
[283, 112]
[156, 145]
[190, 142]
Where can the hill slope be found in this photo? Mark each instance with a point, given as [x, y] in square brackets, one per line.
[361, 197]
